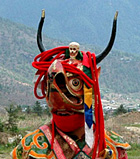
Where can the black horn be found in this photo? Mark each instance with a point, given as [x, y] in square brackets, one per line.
[39, 32]
[102, 55]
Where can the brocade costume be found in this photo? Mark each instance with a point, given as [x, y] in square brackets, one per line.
[38, 145]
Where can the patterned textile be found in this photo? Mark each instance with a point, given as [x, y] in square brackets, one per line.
[117, 144]
[37, 145]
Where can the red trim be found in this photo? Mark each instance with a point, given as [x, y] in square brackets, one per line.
[57, 149]
[73, 144]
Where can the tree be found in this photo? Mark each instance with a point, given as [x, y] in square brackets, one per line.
[19, 108]
[120, 110]
[28, 110]
[11, 124]
[37, 108]
[1, 126]
[47, 111]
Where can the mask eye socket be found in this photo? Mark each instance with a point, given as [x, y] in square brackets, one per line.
[76, 84]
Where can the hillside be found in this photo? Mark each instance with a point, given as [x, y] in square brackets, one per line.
[17, 51]
[84, 21]
[128, 125]
[120, 71]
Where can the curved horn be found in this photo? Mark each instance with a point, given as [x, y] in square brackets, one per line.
[39, 32]
[102, 55]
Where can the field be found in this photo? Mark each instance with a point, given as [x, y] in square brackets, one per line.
[126, 125]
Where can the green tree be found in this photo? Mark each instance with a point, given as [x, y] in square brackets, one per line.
[120, 110]
[28, 110]
[37, 108]
[11, 124]
[19, 108]
[47, 111]
[1, 126]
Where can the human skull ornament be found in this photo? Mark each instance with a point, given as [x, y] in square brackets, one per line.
[73, 49]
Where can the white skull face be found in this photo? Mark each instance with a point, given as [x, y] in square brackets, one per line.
[73, 49]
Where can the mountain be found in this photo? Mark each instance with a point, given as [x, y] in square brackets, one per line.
[79, 20]
[120, 71]
[17, 50]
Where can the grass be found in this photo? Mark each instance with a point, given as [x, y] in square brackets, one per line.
[134, 152]
[25, 123]
[6, 149]
[134, 125]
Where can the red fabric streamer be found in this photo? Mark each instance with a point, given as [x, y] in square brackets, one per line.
[99, 134]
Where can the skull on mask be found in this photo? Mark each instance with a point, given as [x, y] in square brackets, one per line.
[73, 49]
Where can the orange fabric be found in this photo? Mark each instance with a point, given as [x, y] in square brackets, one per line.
[23, 140]
[115, 153]
[56, 146]
[14, 153]
[33, 154]
[125, 145]
[45, 145]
